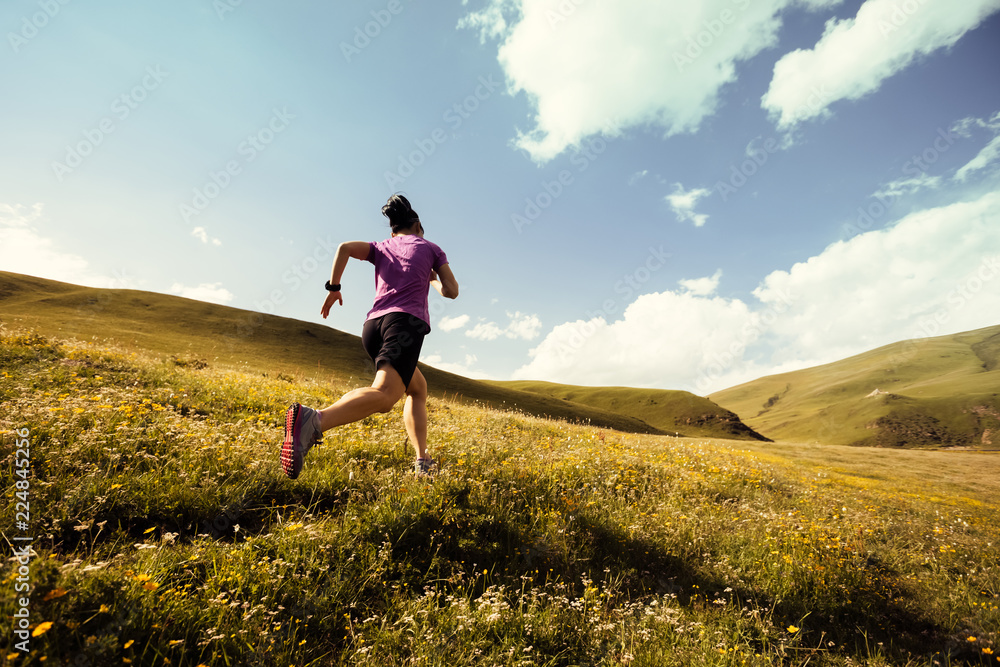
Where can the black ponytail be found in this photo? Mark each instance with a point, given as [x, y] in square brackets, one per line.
[401, 215]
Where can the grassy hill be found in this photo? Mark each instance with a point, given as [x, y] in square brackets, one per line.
[933, 392]
[191, 331]
[163, 532]
[671, 412]
[940, 392]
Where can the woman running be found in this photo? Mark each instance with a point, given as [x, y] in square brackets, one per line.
[393, 333]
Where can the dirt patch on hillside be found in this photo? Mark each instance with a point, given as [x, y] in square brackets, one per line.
[895, 430]
[727, 423]
[988, 424]
[988, 352]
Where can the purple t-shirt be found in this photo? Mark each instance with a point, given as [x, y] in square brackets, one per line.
[402, 275]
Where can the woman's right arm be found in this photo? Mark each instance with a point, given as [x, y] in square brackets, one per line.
[445, 283]
[345, 251]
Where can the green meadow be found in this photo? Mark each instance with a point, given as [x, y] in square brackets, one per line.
[164, 533]
[563, 528]
[924, 393]
[670, 412]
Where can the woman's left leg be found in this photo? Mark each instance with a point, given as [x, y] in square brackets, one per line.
[415, 413]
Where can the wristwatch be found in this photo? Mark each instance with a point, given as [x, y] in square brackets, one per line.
[332, 288]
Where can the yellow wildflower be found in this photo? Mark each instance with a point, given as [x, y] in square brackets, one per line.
[54, 593]
[41, 629]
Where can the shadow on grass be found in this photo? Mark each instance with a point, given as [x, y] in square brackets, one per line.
[462, 532]
[467, 535]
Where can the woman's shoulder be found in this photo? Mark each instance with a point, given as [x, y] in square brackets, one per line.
[431, 244]
[417, 242]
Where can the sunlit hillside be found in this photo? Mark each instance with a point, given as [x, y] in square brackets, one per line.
[163, 532]
[671, 412]
[197, 331]
[932, 392]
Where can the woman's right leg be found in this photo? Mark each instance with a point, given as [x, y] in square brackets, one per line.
[386, 390]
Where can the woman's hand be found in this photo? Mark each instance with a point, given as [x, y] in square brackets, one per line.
[444, 282]
[331, 298]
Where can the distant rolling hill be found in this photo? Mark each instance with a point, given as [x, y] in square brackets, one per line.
[666, 410]
[184, 328]
[934, 392]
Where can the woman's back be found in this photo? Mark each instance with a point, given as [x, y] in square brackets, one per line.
[403, 269]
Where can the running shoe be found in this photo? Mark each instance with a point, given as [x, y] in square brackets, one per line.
[424, 466]
[301, 433]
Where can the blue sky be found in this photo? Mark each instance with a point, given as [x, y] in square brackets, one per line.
[653, 193]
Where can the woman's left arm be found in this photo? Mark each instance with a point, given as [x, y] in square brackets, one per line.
[444, 282]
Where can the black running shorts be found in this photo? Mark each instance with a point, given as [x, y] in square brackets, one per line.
[395, 339]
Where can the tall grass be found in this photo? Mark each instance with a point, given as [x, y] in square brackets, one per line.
[166, 534]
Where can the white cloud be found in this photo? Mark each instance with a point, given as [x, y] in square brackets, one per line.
[485, 331]
[936, 271]
[987, 157]
[588, 67]
[990, 153]
[637, 176]
[907, 186]
[663, 339]
[452, 323]
[525, 327]
[683, 202]
[211, 292]
[23, 249]
[490, 22]
[202, 235]
[892, 284]
[854, 56]
[702, 286]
